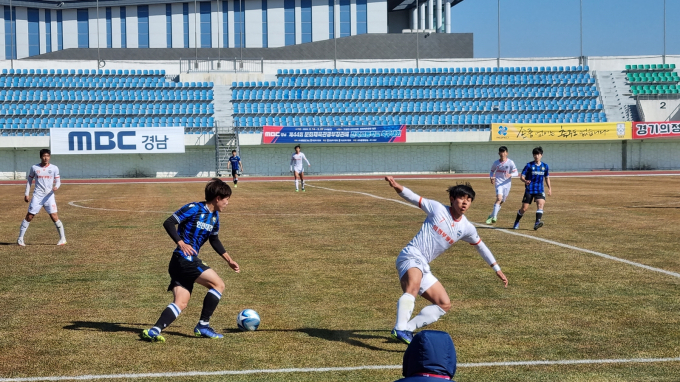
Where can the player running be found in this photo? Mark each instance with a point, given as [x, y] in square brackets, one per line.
[45, 175]
[442, 227]
[236, 166]
[198, 222]
[533, 176]
[297, 168]
[501, 175]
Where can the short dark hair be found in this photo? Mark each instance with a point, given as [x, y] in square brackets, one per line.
[297, 147]
[233, 151]
[45, 151]
[216, 187]
[502, 149]
[537, 150]
[462, 189]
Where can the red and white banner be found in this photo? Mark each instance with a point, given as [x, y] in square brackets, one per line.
[647, 130]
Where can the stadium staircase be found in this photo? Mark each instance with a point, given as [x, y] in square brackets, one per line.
[425, 99]
[226, 140]
[32, 101]
[618, 104]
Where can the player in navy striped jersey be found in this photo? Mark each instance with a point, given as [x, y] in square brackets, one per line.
[198, 222]
[533, 176]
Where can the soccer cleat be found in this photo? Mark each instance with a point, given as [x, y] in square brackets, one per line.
[538, 225]
[303, 190]
[402, 335]
[151, 335]
[516, 226]
[296, 190]
[489, 220]
[62, 241]
[235, 185]
[206, 331]
[20, 242]
[495, 219]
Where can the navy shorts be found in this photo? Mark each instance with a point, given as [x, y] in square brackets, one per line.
[184, 272]
[528, 198]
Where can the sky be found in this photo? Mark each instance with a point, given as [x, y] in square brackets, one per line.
[550, 28]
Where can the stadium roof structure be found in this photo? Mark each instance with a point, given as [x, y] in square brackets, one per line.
[389, 46]
[72, 4]
[398, 5]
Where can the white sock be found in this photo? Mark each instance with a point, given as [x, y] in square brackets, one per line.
[23, 228]
[496, 208]
[405, 307]
[303, 184]
[428, 315]
[60, 229]
[296, 184]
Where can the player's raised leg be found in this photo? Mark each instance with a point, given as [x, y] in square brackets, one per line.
[500, 198]
[169, 314]
[215, 285]
[436, 294]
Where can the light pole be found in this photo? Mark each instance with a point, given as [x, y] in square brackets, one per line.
[243, 26]
[219, 34]
[417, 33]
[664, 32]
[196, 28]
[498, 59]
[580, 16]
[99, 60]
[13, 27]
[335, 39]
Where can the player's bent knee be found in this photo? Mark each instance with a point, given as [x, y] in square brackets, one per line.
[181, 304]
[446, 305]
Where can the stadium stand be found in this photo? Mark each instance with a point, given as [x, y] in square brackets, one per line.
[35, 100]
[653, 79]
[426, 99]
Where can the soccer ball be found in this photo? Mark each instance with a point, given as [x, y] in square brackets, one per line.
[248, 320]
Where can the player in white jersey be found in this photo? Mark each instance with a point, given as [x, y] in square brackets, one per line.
[297, 168]
[501, 175]
[47, 181]
[442, 228]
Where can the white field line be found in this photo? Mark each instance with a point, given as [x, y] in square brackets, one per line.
[331, 369]
[604, 255]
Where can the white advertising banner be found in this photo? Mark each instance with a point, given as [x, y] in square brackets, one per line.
[117, 141]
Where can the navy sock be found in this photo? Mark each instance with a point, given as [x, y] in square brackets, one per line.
[209, 305]
[518, 218]
[167, 317]
[539, 215]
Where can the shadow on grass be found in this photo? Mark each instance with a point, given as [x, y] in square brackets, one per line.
[115, 327]
[29, 245]
[350, 337]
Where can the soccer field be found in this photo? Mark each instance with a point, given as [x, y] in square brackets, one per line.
[319, 268]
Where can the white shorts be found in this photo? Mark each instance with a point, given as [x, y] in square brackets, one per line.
[503, 190]
[407, 260]
[299, 170]
[40, 201]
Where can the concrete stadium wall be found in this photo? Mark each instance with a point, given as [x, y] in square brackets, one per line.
[408, 158]
[461, 157]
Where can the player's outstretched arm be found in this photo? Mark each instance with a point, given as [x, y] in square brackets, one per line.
[169, 226]
[393, 183]
[486, 254]
[219, 248]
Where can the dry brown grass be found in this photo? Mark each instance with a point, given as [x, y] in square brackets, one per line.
[319, 268]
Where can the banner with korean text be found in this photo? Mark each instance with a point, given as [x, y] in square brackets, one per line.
[117, 141]
[560, 132]
[647, 130]
[334, 134]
